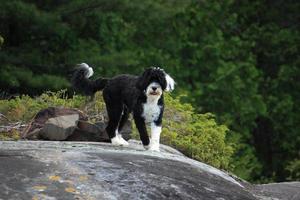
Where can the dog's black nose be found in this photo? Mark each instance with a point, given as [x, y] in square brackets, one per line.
[154, 88]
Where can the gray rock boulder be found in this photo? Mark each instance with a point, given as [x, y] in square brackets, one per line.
[278, 191]
[89, 132]
[50, 116]
[59, 128]
[96, 132]
[80, 170]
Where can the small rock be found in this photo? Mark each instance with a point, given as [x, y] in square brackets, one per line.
[38, 122]
[89, 132]
[59, 128]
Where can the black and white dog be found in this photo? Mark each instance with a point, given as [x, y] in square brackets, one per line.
[142, 95]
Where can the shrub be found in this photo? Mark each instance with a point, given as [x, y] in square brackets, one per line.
[293, 169]
[23, 108]
[196, 135]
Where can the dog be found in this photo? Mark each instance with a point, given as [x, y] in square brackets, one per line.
[124, 94]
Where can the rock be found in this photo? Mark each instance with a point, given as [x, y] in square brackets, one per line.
[287, 190]
[70, 170]
[60, 124]
[38, 122]
[96, 132]
[89, 132]
[59, 128]
[79, 170]
[89, 127]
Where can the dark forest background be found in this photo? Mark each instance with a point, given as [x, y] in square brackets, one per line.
[237, 59]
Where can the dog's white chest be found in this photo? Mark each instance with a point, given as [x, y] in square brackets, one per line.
[151, 111]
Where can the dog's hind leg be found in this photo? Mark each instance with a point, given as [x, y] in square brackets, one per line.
[114, 114]
[124, 118]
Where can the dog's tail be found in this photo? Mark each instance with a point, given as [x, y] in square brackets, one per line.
[81, 82]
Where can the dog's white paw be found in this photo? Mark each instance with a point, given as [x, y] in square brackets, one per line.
[154, 147]
[147, 147]
[123, 141]
[119, 141]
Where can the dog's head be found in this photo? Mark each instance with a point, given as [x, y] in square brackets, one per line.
[154, 81]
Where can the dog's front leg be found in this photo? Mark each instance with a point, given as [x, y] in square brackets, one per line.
[155, 137]
[141, 126]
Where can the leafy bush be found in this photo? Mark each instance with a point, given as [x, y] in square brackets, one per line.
[1, 40]
[23, 108]
[293, 169]
[11, 135]
[196, 135]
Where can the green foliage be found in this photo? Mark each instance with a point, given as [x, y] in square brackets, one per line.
[1, 40]
[196, 135]
[24, 79]
[276, 39]
[28, 57]
[23, 108]
[244, 161]
[12, 135]
[293, 169]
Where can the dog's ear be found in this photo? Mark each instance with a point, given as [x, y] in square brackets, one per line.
[161, 79]
[170, 83]
[143, 80]
[166, 81]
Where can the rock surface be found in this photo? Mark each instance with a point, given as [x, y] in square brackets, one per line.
[81, 170]
[284, 191]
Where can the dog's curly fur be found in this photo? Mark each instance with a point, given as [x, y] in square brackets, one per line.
[142, 95]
